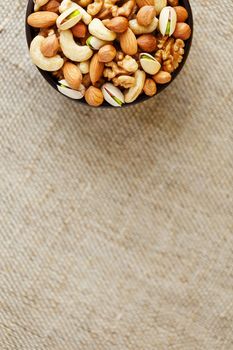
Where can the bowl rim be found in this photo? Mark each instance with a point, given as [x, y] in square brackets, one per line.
[31, 32]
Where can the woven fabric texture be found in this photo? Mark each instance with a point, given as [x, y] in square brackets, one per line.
[116, 226]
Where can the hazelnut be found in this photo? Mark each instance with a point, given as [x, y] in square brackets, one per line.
[182, 31]
[106, 53]
[162, 77]
[182, 13]
[147, 42]
[79, 30]
[94, 96]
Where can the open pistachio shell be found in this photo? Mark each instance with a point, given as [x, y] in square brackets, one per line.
[64, 88]
[149, 64]
[95, 43]
[112, 95]
[167, 21]
[69, 18]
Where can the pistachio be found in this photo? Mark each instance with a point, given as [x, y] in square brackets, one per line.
[95, 43]
[66, 90]
[69, 18]
[167, 21]
[149, 64]
[113, 95]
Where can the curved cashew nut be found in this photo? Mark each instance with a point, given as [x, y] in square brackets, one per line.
[72, 50]
[95, 7]
[50, 64]
[63, 25]
[135, 91]
[138, 29]
[39, 3]
[98, 29]
[66, 4]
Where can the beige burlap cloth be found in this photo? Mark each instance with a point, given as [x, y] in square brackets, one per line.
[116, 227]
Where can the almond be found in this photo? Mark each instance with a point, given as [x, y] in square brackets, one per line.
[79, 30]
[145, 15]
[72, 75]
[96, 69]
[147, 42]
[117, 24]
[106, 53]
[42, 19]
[94, 96]
[142, 3]
[182, 13]
[52, 6]
[150, 88]
[162, 77]
[128, 42]
[50, 46]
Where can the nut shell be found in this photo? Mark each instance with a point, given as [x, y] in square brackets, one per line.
[72, 75]
[94, 96]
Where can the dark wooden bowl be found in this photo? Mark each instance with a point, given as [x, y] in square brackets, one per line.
[31, 33]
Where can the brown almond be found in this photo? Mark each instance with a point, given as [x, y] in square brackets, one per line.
[128, 42]
[96, 69]
[142, 3]
[147, 42]
[150, 88]
[182, 31]
[52, 6]
[42, 19]
[50, 46]
[182, 13]
[72, 75]
[79, 30]
[117, 24]
[145, 15]
[94, 96]
[106, 53]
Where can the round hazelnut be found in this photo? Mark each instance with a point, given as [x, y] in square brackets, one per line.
[182, 31]
[182, 13]
[79, 30]
[147, 42]
[94, 96]
[106, 53]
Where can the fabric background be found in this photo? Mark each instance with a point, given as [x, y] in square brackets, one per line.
[116, 227]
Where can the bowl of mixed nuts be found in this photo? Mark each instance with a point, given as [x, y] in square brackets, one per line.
[109, 53]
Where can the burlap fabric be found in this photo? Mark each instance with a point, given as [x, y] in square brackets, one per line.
[116, 226]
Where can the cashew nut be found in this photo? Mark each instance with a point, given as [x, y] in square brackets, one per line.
[39, 3]
[98, 29]
[138, 29]
[95, 7]
[49, 64]
[66, 4]
[135, 91]
[84, 67]
[72, 50]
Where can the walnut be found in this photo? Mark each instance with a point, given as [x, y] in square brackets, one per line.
[113, 70]
[170, 53]
[95, 7]
[124, 10]
[125, 81]
[129, 64]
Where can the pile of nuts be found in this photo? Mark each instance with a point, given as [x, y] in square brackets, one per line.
[112, 50]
